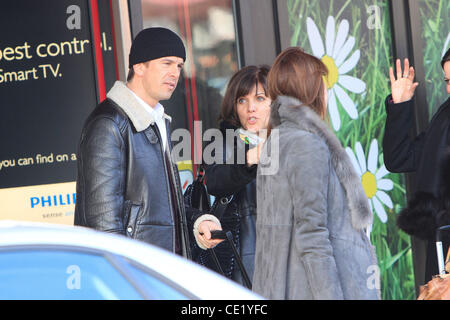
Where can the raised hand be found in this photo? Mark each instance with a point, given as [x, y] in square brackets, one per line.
[403, 87]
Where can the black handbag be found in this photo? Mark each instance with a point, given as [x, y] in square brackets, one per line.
[196, 195]
[196, 201]
[221, 258]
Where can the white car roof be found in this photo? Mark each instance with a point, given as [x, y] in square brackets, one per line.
[200, 281]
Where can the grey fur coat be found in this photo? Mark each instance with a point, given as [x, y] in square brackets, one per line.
[312, 214]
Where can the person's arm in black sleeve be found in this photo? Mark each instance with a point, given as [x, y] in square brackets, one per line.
[226, 179]
[401, 152]
[443, 216]
[233, 173]
[103, 168]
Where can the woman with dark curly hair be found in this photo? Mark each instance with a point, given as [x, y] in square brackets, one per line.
[245, 112]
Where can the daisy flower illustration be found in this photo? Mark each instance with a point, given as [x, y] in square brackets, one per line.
[334, 54]
[447, 43]
[372, 178]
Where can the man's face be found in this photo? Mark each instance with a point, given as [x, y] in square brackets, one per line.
[160, 77]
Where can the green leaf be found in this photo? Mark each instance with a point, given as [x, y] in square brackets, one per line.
[433, 26]
[396, 257]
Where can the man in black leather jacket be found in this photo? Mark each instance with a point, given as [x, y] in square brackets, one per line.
[127, 183]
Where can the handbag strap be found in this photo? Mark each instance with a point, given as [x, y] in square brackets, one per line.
[221, 206]
[201, 173]
[222, 203]
[244, 274]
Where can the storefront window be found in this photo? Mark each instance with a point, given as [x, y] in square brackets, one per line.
[435, 41]
[353, 39]
[208, 30]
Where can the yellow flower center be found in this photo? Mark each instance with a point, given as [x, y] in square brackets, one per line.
[369, 183]
[333, 72]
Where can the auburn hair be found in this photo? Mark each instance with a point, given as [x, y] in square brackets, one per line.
[297, 74]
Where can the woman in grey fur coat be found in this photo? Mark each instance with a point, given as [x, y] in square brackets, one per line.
[312, 213]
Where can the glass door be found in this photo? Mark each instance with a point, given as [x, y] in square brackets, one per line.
[354, 40]
[207, 28]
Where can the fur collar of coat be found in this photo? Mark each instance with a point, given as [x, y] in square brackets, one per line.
[286, 108]
[125, 99]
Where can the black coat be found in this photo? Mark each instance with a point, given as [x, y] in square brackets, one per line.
[238, 180]
[427, 155]
[125, 185]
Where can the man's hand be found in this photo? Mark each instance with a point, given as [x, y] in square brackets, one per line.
[204, 236]
[403, 87]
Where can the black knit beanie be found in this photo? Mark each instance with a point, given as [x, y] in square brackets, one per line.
[154, 43]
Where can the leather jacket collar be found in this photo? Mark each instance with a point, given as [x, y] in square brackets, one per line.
[124, 98]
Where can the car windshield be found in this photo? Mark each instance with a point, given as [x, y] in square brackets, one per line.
[157, 287]
[61, 275]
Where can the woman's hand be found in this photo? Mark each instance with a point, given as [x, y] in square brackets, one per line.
[204, 236]
[253, 154]
[403, 87]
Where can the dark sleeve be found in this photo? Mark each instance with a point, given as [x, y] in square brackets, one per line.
[230, 175]
[103, 169]
[226, 179]
[401, 152]
[443, 217]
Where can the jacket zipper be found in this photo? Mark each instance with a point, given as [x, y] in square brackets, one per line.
[161, 147]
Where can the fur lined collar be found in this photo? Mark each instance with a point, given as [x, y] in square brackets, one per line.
[290, 109]
[123, 97]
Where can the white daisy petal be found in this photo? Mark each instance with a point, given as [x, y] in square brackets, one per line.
[353, 160]
[333, 110]
[385, 184]
[372, 159]
[329, 36]
[370, 204]
[447, 42]
[347, 103]
[352, 84]
[381, 172]
[350, 63]
[383, 196]
[346, 49]
[340, 37]
[379, 210]
[314, 38]
[369, 231]
[361, 157]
